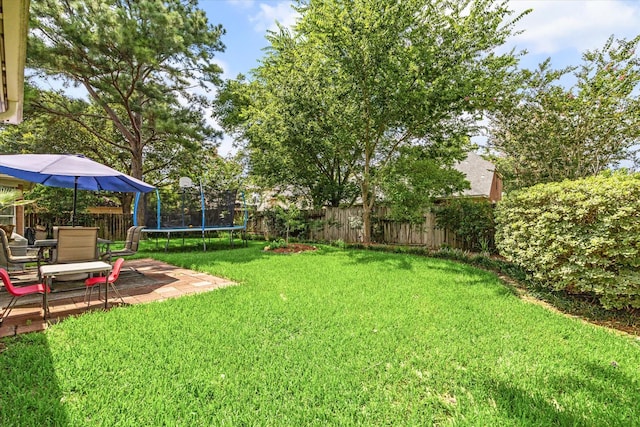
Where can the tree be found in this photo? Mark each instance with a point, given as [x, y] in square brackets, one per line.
[140, 63]
[291, 217]
[356, 81]
[45, 133]
[414, 179]
[291, 144]
[551, 132]
[223, 174]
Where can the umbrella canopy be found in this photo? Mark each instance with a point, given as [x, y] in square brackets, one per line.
[70, 171]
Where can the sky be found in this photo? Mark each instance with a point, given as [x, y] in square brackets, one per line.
[558, 29]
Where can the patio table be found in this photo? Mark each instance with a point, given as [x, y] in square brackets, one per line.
[50, 270]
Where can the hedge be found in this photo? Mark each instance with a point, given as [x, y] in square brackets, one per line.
[580, 236]
[471, 220]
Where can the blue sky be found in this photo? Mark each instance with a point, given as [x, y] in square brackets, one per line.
[246, 23]
[560, 29]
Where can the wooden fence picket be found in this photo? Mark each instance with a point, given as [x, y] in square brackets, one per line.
[329, 225]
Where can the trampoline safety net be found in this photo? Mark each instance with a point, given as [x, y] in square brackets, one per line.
[219, 210]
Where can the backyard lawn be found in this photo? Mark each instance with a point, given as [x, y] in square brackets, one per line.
[331, 337]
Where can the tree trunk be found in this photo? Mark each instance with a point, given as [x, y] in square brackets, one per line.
[366, 223]
[367, 197]
[136, 168]
[366, 209]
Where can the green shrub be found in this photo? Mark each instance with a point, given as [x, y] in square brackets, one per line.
[471, 220]
[339, 244]
[580, 236]
[276, 244]
[285, 223]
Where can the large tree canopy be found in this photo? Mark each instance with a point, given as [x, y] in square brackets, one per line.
[145, 67]
[41, 132]
[552, 132]
[336, 99]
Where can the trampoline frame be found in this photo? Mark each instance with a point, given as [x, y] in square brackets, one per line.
[203, 229]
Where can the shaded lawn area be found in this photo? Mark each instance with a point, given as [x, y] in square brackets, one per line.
[329, 337]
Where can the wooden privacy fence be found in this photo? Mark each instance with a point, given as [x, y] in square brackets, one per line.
[112, 226]
[327, 224]
[333, 224]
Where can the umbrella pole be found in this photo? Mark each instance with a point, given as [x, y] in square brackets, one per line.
[75, 196]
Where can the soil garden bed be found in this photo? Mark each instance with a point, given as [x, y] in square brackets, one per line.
[291, 248]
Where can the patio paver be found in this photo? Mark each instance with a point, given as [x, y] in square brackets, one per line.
[149, 281]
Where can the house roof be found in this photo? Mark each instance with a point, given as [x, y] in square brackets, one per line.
[479, 172]
[10, 181]
[14, 22]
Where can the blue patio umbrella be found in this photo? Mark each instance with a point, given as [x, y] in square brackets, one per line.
[70, 171]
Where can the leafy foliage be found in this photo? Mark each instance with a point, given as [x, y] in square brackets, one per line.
[138, 63]
[335, 100]
[12, 197]
[471, 220]
[581, 236]
[412, 180]
[283, 221]
[49, 134]
[550, 133]
[276, 244]
[292, 219]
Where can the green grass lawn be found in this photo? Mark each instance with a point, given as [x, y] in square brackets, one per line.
[326, 338]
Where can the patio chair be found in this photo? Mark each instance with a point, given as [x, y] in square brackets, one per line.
[75, 244]
[91, 282]
[21, 291]
[130, 245]
[9, 258]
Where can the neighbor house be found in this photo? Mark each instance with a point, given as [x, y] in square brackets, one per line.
[485, 182]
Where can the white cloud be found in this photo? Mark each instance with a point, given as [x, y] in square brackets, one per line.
[227, 146]
[266, 18]
[227, 72]
[580, 25]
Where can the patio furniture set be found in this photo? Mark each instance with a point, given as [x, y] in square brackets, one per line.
[73, 254]
[73, 249]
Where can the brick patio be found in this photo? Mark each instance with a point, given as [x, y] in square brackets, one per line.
[141, 281]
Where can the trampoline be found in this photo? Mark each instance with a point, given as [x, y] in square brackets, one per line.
[200, 212]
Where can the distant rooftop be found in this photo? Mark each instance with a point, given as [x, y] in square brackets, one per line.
[479, 173]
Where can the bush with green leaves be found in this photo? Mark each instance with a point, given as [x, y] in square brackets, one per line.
[579, 236]
[276, 244]
[284, 222]
[471, 220]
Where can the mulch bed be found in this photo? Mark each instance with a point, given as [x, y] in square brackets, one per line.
[292, 248]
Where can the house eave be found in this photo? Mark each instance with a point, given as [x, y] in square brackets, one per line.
[14, 24]
[10, 181]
